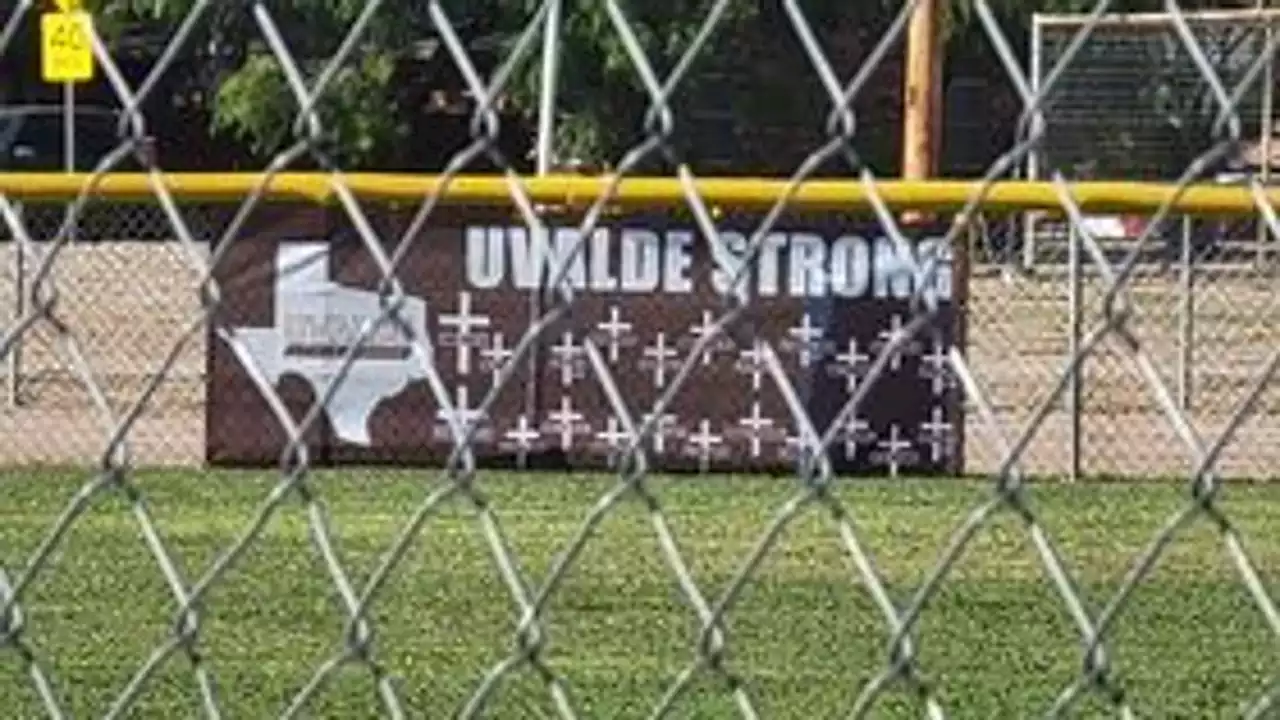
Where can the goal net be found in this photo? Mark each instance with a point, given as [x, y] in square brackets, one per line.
[1136, 103]
[322, 400]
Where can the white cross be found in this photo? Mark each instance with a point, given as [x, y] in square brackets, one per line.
[462, 410]
[853, 430]
[523, 434]
[464, 324]
[659, 431]
[895, 329]
[613, 435]
[660, 352]
[615, 329]
[754, 356]
[937, 432]
[754, 423]
[497, 354]
[806, 333]
[704, 329]
[705, 440]
[566, 418]
[852, 359]
[566, 352]
[892, 447]
[936, 361]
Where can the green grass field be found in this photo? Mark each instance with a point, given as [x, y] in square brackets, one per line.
[805, 636]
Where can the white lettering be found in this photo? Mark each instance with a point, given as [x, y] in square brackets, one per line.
[637, 260]
[527, 260]
[602, 278]
[850, 266]
[568, 241]
[678, 259]
[807, 266]
[640, 261]
[729, 262]
[768, 263]
[892, 272]
[940, 253]
[485, 257]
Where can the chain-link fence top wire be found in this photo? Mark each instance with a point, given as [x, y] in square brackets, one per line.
[901, 611]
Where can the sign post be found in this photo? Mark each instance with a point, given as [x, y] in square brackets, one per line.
[66, 59]
[66, 56]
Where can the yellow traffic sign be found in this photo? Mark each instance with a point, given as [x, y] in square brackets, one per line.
[65, 52]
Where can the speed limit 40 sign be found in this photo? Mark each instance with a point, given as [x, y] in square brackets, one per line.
[66, 54]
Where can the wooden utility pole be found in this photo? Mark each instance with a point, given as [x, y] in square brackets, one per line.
[922, 96]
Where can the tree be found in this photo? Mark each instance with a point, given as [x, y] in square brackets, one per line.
[598, 89]
[250, 98]
[600, 102]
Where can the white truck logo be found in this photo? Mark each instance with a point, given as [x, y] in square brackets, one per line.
[316, 323]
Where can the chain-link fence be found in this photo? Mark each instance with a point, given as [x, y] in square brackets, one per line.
[128, 295]
[111, 327]
[1204, 323]
[1133, 103]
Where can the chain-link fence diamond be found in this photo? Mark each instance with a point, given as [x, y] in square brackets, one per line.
[107, 323]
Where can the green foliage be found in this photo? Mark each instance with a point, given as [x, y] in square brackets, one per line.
[600, 98]
[598, 83]
[255, 104]
[252, 100]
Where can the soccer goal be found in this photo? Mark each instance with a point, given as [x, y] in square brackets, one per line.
[306, 433]
[1137, 101]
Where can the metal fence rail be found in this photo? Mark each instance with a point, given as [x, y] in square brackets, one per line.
[1109, 321]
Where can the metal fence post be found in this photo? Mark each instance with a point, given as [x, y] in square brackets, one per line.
[1186, 315]
[1033, 158]
[19, 309]
[1265, 130]
[1074, 321]
[544, 159]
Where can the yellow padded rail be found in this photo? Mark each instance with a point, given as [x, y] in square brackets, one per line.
[637, 192]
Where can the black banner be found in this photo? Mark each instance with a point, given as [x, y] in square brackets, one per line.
[828, 293]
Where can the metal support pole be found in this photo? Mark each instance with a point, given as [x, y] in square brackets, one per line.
[544, 159]
[69, 137]
[19, 310]
[1186, 317]
[1265, 130]
[1074, 341]
[1033, 158]
[547, 99]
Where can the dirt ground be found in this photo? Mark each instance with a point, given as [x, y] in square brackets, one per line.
[1206, 354]
[56, 419]
[1019, 335]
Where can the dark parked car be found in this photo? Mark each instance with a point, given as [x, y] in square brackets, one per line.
[32, 138]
